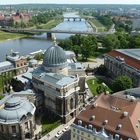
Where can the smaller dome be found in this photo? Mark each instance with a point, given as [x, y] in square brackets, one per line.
[55, 56]
[15, 109]
[13, 102]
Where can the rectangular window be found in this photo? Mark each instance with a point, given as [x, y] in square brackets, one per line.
[13, 129]
[26, 125]
[78, 131]
[73, 135]
[2, 129]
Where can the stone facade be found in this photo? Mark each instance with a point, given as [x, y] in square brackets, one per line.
[58, 92]
[17, 117]
[117, 66]
[19, 131]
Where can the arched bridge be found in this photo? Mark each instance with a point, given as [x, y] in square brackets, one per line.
[49, 32]
[74, 18]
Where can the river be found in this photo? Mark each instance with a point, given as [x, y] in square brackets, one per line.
[28, 45]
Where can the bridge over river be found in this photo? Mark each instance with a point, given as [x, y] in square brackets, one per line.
[76, 18]
[49, 32]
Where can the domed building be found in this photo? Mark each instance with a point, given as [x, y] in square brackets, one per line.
[55, 60]
[59, 91]
[17, 120]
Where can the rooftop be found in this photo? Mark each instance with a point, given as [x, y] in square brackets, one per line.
[15, 109]
[134, 53]
[14, 56]
[130, 56]
[54, 79]
[117, 111]
[5, 64]
[133, 93]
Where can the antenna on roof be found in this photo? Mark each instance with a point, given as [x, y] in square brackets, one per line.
[54, 38]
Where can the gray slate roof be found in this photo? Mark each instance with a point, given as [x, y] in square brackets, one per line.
[6, 65]
[54, 56]
[134, 53]
[54, 79]
[15, 109]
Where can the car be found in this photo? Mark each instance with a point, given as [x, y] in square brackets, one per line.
[67, 127]
[64, 130]
[58, 134]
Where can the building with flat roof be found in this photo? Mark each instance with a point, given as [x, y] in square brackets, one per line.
[14, 65]
[124, 62]
[108, 118]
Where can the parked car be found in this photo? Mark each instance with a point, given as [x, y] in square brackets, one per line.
[58, 134]
[66, 128]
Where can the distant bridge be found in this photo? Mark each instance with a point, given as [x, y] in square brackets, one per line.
[74, 18]
[49, 32]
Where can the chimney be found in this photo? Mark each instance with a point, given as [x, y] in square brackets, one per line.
[105, 122]
[125, 114]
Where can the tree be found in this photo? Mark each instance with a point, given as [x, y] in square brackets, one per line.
[122, 83]
[76, 39]
[134, 42]
[111, 42]
[76, 50]
[105, 20]
[101, 89]
[39, 56]
[88, 46]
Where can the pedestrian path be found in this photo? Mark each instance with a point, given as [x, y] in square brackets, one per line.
[52, 134]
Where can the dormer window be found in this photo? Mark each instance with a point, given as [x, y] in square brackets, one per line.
[119, 126]
[79, 122]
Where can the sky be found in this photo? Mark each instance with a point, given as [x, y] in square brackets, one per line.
[72, 1]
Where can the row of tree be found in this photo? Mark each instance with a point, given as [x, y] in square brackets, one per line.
[88, 45]
[84, 45]
[40, 18]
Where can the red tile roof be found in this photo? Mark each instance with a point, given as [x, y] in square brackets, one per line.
[128, 60]
[111, 108]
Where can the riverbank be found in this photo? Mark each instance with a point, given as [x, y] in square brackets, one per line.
[51, 24]
[10, 36]
[100, 27]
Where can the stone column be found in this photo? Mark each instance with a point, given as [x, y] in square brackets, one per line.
[31, 128]
[22, 135]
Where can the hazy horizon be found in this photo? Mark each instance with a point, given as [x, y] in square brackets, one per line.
[6, 2]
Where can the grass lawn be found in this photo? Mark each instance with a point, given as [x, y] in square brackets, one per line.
[6, 35]
[51, 24]
[1, 84]
[1, 97]
[100, 27]
[49, 124]
[95, 83]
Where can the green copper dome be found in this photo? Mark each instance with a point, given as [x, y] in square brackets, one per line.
[55, 57]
